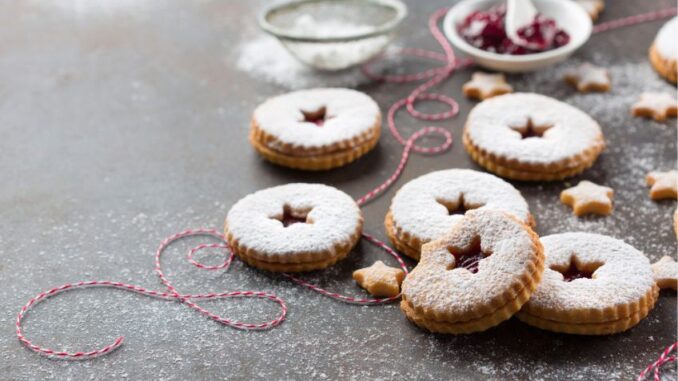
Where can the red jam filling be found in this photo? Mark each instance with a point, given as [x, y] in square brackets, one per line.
[470, 258]
[317, 117]
[573, 273]
[485, 30]
[289, 219]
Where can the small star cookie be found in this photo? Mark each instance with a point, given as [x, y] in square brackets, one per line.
[592, 7]
[588, 197]
[664, 184]
[380, 280]
[587, 78]
[486, 85]
[665, 273]
[656, 105]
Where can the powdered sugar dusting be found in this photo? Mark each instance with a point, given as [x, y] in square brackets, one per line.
[349, 114]
[491, 126]
[332, 218]
[437, 285]
[418, 209]
[623, 278]
[666, 39]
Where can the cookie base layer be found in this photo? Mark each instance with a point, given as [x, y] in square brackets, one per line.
[515, 174]
[474, 325]
[667, 68]
[291, 267]
[605, 328]
[317, 161]
[400, 245]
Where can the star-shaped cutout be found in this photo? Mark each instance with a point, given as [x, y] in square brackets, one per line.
[665, 273]
[587, 78]
[486, 85]
[530, 129]
[663, 184]
[588, 197]
[656, 105]
[592, 7]
[380, 280]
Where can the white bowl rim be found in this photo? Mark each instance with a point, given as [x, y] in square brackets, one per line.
[283, 34]
[450, 31]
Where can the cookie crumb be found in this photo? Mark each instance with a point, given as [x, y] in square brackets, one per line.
[665, 273]
[656, 105]
[588, 198]
[588, 78]
[486, 85]
[380, 280]
[664, 185]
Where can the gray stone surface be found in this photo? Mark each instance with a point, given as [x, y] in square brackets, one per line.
[122, 122]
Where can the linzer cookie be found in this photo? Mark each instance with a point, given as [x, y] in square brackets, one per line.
[664, 51]
[592, 285]
[316, 129]
[532, 137]
[427, 207]
[294, 227]
[474, 277]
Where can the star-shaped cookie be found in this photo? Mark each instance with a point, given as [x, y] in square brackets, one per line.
[380, 280]
[656, 105]
[663, 184]
[587, 78]
[665, 273]
[486, 85]
[588, 197]
[592, 7]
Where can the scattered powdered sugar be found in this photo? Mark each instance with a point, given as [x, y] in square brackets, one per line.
[264, 57]
[623, 278]
[255, 222]
[436, 285]
[492, 126]
[349, 115]
[420, 207]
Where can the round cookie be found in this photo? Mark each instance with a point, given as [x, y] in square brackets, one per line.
[531, 137]
[316, 129]
[294, 227]
[476, 276]
[427, 207]
[664, 51]
[592, 285]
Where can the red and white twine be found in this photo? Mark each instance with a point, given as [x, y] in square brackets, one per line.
[433, 77]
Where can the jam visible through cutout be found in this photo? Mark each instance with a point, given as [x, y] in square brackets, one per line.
[576, 271]
[317, 117]
[458, 208]
[468, 258]
[531, 130]
[290, 218]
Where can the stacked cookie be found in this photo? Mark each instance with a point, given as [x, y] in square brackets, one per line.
[429, 206]
[592, 285]
[474, 277]
[316, 129]
[294, 227]
[531, 137]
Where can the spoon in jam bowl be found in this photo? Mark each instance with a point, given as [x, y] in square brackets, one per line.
[553, 33]
[519, 13]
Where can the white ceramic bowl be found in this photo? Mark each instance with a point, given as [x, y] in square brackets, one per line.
[569, 16]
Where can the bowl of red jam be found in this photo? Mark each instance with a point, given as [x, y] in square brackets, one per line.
[476, 27]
